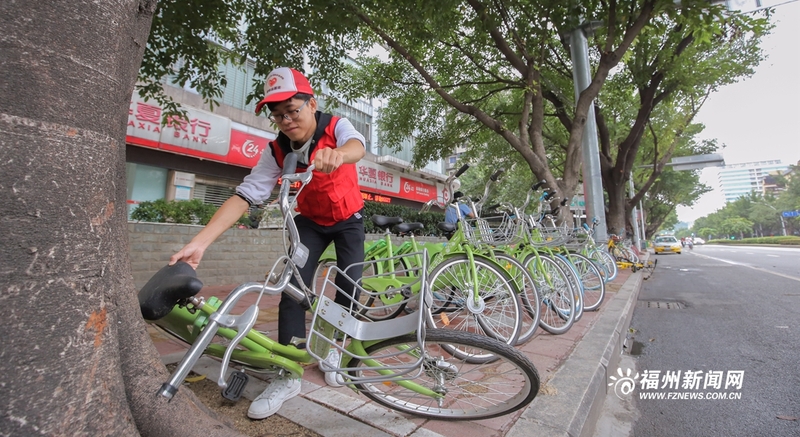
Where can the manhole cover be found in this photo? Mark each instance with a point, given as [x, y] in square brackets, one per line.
[661, 305]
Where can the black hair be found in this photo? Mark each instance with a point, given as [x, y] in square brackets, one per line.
[302, 96]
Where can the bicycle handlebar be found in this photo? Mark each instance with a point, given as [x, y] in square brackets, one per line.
[496, 175]
[461, 170]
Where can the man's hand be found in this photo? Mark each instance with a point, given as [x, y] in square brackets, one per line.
[327, 160]
[192, 253]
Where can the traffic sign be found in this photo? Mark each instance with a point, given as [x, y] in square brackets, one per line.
[791, 213]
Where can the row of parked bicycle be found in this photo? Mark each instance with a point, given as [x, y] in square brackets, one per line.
[431, 328]
[502, 274]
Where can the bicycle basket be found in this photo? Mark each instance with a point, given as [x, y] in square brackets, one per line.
[577, 240]
[495, 230]
[390, 300]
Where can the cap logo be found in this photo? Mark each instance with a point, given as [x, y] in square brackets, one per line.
[272, 80]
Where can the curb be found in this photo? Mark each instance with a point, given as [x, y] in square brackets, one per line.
[579, 386]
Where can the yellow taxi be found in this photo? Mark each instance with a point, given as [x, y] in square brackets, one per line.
[666, 244]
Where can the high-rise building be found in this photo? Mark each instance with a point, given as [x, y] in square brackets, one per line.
[737, 180]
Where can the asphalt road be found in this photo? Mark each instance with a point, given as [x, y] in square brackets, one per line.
[739, 310]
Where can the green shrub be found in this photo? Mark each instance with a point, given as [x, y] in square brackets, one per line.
[787, 240]
[174, 211]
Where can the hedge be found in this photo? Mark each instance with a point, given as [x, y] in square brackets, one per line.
[196, 212]
[787, 241]
[187, 212]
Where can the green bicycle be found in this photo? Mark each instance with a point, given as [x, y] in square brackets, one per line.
[398, 363]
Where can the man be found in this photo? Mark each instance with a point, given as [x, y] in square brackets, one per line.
[451, 215]
[330, 207]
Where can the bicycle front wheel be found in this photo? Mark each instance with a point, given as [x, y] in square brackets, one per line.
[594, 288]
[468, 391]
[484, 301]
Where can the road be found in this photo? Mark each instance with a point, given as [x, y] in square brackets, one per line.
[737, 311]
[778, 260]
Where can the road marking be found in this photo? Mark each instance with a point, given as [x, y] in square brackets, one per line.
[782, 327]
[752, 267]
[773, 256]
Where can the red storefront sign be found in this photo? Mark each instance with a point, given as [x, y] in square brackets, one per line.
[200, 134]
[374, 178]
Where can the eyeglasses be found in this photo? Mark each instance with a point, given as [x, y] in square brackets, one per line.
[292, 115]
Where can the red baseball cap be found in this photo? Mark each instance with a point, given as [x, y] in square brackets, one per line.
[282, 84]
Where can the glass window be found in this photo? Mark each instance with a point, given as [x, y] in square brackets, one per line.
[144, 183]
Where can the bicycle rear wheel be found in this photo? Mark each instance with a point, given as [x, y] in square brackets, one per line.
[469, 391]
[574, 282]
[554, 293]
[607, 261]
[594, 288]
[529, 297]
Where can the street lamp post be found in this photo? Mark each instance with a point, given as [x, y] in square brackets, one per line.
[783, 223]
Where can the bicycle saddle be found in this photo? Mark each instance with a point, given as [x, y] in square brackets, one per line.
[166, 288]
[405, 228]
[384, 222]
[447, 227]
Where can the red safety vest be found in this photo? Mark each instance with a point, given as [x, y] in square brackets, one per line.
[330, 197]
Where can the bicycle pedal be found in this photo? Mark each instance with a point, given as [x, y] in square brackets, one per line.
[236, 384]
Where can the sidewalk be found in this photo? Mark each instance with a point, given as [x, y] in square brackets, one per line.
[574, 369]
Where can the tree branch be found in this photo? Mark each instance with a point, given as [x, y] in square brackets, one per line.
[498, 39]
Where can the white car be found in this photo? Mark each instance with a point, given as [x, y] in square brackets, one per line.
[698, 240]
[666, 243]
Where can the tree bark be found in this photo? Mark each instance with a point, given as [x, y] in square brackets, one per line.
[76, 357]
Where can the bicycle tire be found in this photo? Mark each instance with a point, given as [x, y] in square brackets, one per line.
[498, 312]
[529, 297]
[574, 283]
[607, 261]
[551, 282]
[594, 287]
[472, 391]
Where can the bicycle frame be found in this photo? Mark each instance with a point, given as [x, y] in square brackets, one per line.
[213, 318]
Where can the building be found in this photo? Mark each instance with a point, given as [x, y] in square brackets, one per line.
[207, 154]
[737, 180]
[775, 182]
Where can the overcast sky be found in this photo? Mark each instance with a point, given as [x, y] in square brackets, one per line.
[757, 119]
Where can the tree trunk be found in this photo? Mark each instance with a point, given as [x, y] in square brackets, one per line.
[76, 357]
[616, 215]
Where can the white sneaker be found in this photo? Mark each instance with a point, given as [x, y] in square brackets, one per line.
[271, 399]
[333, 378]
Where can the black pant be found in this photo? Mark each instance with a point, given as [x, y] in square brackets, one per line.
[348, 238]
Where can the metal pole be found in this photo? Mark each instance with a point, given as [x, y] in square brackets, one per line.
[644, 235]
[634, 219]
[783, 224]
[592, 178]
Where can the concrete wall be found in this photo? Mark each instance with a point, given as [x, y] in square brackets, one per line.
[238, 255]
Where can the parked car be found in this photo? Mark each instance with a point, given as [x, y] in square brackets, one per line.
[667, 243]
[698, 240]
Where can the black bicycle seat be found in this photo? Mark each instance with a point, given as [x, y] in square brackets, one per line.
[166, 288]
[447, 227]
[405, 228]
[385, 222]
